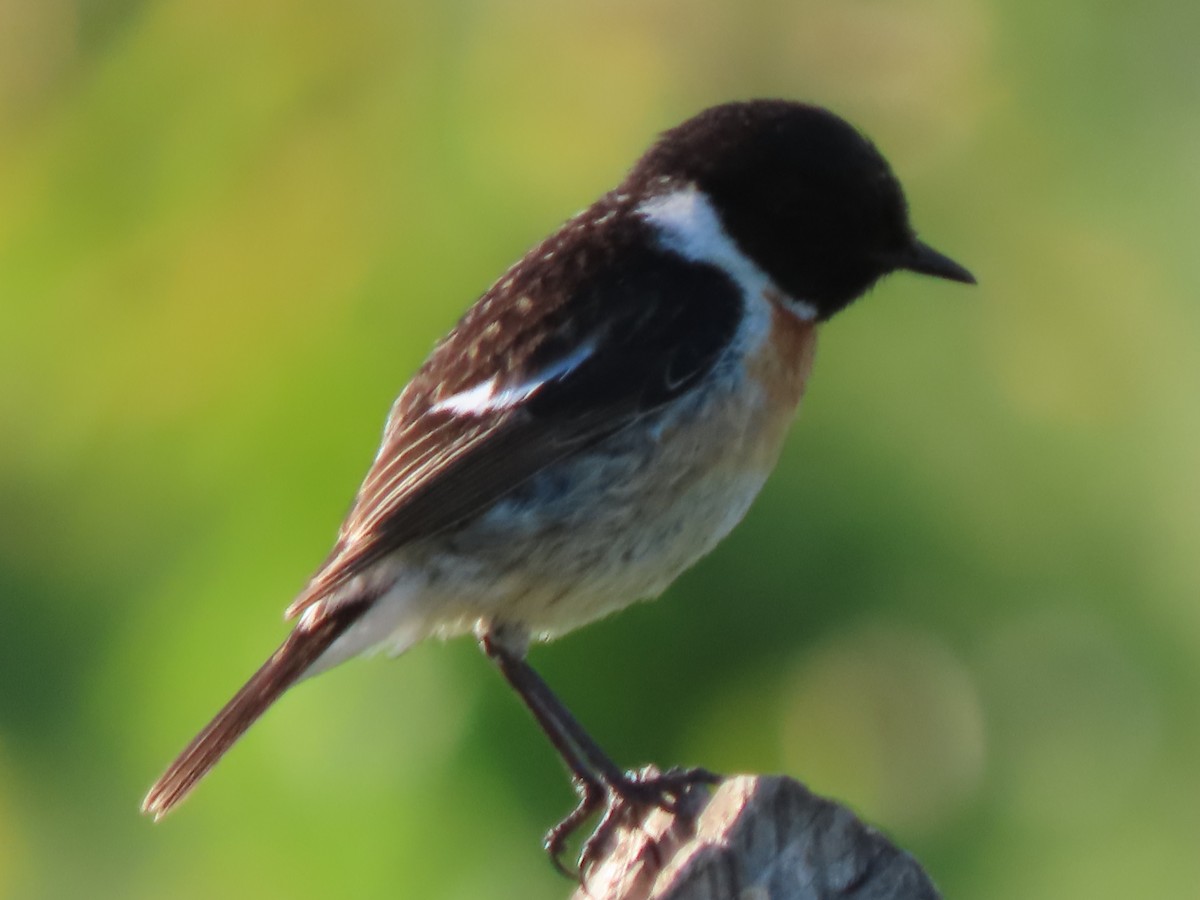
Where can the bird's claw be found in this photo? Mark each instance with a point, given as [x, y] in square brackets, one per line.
[624, 799]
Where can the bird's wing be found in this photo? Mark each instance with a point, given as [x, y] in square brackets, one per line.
[541, 368]
[532, 374]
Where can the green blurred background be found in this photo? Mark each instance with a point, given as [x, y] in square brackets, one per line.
[968, 603]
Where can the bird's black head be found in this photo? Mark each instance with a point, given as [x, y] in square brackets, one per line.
[801, 192]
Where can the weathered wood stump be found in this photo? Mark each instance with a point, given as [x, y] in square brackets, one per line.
[755, 838]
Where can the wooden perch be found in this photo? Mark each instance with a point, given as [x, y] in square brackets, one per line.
[755, 838]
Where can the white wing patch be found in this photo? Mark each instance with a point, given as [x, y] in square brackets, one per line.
[489, 396]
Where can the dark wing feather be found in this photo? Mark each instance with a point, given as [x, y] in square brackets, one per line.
[657, 324]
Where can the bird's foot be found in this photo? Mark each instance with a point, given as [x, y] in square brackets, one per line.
[625, 799]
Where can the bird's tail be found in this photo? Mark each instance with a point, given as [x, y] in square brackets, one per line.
[313, 635]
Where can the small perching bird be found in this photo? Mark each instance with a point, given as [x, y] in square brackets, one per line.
[600, 419]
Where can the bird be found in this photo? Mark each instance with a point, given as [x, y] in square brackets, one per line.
[598, 420]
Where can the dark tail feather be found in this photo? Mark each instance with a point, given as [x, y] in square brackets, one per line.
[311, 637]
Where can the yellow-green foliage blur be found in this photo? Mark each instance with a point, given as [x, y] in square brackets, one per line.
[967, 604]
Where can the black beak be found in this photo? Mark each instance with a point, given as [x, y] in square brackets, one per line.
[924, 259]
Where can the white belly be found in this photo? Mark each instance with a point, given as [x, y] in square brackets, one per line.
[617, 524]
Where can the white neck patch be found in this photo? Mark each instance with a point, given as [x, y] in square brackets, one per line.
[687, 224]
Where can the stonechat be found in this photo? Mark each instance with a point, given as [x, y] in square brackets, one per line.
[599, 420]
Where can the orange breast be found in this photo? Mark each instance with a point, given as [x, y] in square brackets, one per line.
[781, 365]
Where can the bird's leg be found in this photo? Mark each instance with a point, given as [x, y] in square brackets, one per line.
[598, 780]
[533, 691]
